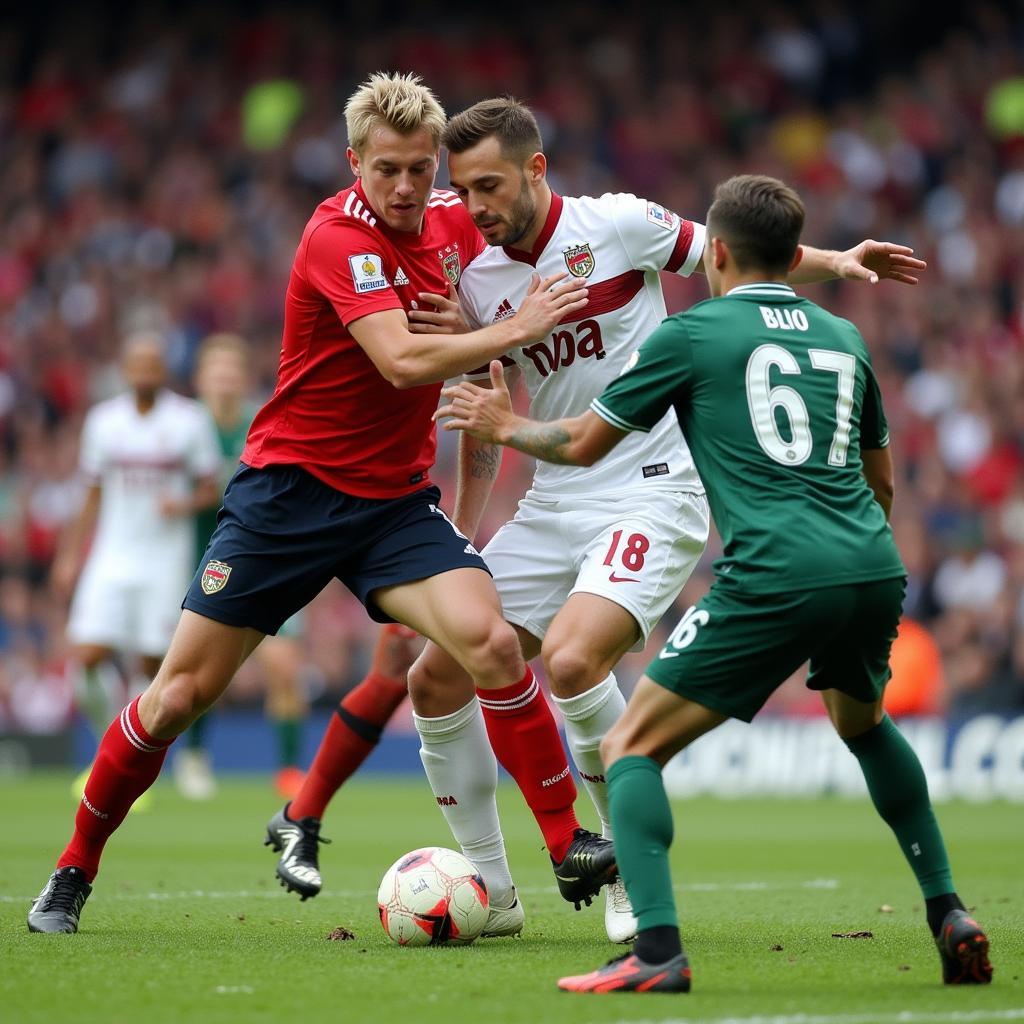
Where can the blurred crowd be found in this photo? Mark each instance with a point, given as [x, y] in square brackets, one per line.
[157, 168]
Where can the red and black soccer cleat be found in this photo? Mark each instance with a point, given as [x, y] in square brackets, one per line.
[963, 947]
[629, 973]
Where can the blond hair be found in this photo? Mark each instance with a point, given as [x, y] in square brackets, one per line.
[400, 102]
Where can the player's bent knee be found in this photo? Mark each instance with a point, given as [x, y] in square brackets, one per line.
[570, 671]
[494, 654]
[173, 706]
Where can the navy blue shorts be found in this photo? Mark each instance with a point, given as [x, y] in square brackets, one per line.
[283, 534]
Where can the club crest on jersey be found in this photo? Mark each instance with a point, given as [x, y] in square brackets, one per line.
[367, 272]
[215, 577]
[450, 263]
[579, 259]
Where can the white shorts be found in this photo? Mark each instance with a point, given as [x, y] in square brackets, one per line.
[637, 549]
[128, 613]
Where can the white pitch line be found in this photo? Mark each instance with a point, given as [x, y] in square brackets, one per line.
[903, 1017]
[273, 893]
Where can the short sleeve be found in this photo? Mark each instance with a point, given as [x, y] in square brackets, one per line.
[345, 263]
[874, 429]
[92, 454]
[204, 455]
[655, 377]
[654, 237]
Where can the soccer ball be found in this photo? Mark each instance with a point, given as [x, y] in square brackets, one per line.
[432, 897]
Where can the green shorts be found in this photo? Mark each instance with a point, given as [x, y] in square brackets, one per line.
[731, 651]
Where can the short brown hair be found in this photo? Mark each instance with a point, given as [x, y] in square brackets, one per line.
[760, 219]
[508, 120]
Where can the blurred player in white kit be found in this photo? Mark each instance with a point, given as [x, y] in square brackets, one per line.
[151, 460]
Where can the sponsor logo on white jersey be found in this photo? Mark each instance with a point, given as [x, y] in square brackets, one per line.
[659, 215]
[504, 311]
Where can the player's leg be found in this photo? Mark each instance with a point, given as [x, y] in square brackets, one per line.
[203, 657]
[856, 666]
[463, 772]
[356, 726]
[285, 704]
[636, 559]
[656, 724]
[99, 685]
[354, 730]
[459, 610]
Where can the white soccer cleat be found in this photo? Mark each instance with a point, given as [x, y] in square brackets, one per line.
[619, 921]
[193, 775]
[502, 921]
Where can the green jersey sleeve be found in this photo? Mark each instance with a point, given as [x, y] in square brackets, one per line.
[874, 430]
[655, 377]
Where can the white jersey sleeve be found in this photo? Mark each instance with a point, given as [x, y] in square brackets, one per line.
[93, 453]
[654, 237]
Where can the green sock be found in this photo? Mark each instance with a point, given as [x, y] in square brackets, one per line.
[899, 792]
[289, 740]
[195, 738]
[642, 826]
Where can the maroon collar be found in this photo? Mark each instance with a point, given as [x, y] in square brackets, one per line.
[550, 223]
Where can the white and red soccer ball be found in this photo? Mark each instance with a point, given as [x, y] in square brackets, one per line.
[432, 897]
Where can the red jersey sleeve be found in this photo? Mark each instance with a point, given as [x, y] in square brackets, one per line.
[345, 262]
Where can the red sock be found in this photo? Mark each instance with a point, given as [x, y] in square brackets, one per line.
[525, 739]
[127, 764]
[356, 727]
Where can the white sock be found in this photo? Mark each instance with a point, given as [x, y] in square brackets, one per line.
[463, 773]
[588, 716]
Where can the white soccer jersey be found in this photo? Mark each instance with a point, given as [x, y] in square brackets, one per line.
[618, 243]
[138, 460]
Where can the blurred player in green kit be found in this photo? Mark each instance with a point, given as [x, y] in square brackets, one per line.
[223, 384]
[779, 405]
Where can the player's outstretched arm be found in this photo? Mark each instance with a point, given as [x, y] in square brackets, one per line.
[408, 360]
[68, 558]
[869, 261]
[487, 414]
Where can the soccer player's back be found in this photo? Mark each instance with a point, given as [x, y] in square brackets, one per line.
[777, 399]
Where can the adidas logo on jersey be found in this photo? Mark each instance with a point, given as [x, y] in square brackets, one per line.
[400, 278]
[504, 311]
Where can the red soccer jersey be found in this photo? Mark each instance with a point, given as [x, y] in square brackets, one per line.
[332, 412]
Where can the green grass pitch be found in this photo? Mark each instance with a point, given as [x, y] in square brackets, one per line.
[187, 923]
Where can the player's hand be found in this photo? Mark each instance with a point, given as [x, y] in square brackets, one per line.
[873, 261]
[444, 318]
[549, 302]
[485, 413]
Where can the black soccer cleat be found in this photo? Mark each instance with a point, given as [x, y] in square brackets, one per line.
[298, 867]
[58, 906]
[628, 973]
[963, 947]
[588, 864]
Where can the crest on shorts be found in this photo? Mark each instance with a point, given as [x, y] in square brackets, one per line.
[450, 263]
[579, 259]
[215, 577]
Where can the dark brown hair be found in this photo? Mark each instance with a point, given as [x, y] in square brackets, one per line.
[760, 219]
[512, 124]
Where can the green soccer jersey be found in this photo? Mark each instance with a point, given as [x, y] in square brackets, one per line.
[232, 441]
[776, 398]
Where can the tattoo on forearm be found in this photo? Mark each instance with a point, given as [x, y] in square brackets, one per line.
[545, 441]
[485, 461]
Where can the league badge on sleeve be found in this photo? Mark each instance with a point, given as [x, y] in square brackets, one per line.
[579, 259]
[367, 272]
[215, 577]
[659, 215]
